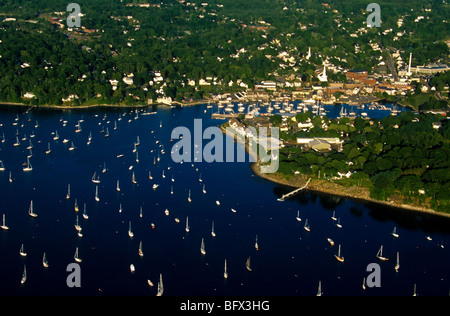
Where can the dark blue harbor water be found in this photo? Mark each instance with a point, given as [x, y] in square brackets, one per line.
[290, 261]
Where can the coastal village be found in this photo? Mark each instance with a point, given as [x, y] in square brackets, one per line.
[395, 73]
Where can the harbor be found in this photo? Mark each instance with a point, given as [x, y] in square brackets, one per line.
[99, 188]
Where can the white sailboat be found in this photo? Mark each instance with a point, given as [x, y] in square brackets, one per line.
[160, 286]
[202, 247]
[225, 272]
[76, 256]
[333, 217]
[189, 197]
[394, 233]
[2, 166]
[247, 264]
[10, 179]
[133, 178]
[319, 289]
[77, 225]
[49, 150]
[17, 143]
[338, 224]
[68, 192]
[380, 254]
[187, 225]
[22, 251]
[31, 211]
[307, 227]
[141, 253]
[339, 256]
[256, 243]
[204, 190]
[397, 265]
[118, 186]
[85, 216]
[130, 233]
[24, 275]
[95, 179]
[4, 227]
[155, 186]
[97, 199]
[44, 261]
[298, 217]
[28, 168]
[330, 241]
[213, 233]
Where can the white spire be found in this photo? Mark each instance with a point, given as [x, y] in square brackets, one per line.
[409, 73]
[309, 54]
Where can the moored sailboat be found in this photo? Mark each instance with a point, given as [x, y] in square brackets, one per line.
[76, 256]
[24, 275]
[380, 254]
[338, 256]
[202, 247]
[31, 211]
[247, 264]
[44, 261]
[3, 226]
[225, 272]
[160, 286]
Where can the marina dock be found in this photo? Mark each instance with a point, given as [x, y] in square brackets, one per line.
[290, 194]
[221, 116]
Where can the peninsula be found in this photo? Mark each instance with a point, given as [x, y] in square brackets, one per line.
[401, 161]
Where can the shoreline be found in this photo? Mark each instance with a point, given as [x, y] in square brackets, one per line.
[360, 194]
[327, 187]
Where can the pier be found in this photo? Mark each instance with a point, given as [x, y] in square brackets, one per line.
[219, 116]
[290, 194]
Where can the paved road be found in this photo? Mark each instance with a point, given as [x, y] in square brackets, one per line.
[391, 66]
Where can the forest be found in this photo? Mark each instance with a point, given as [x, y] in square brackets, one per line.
[403, 158]
[225, 39]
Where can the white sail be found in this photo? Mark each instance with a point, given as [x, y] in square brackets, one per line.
[339, 256]
[319, 289]
[130, 233]
[247, 264]
[4, 227]
[44, 261]
[380, 254]
[76, 256]
[97, 199]
[394, 233]
[187, 225]
[24, 275]
[28, 167]
[31, 211]
[22, 251]
[213, 233]
[202, 247]
[68, 192]
[225, 272]
[397, 265]
[160, 286]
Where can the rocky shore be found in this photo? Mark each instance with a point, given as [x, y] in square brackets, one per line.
[328, 187]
